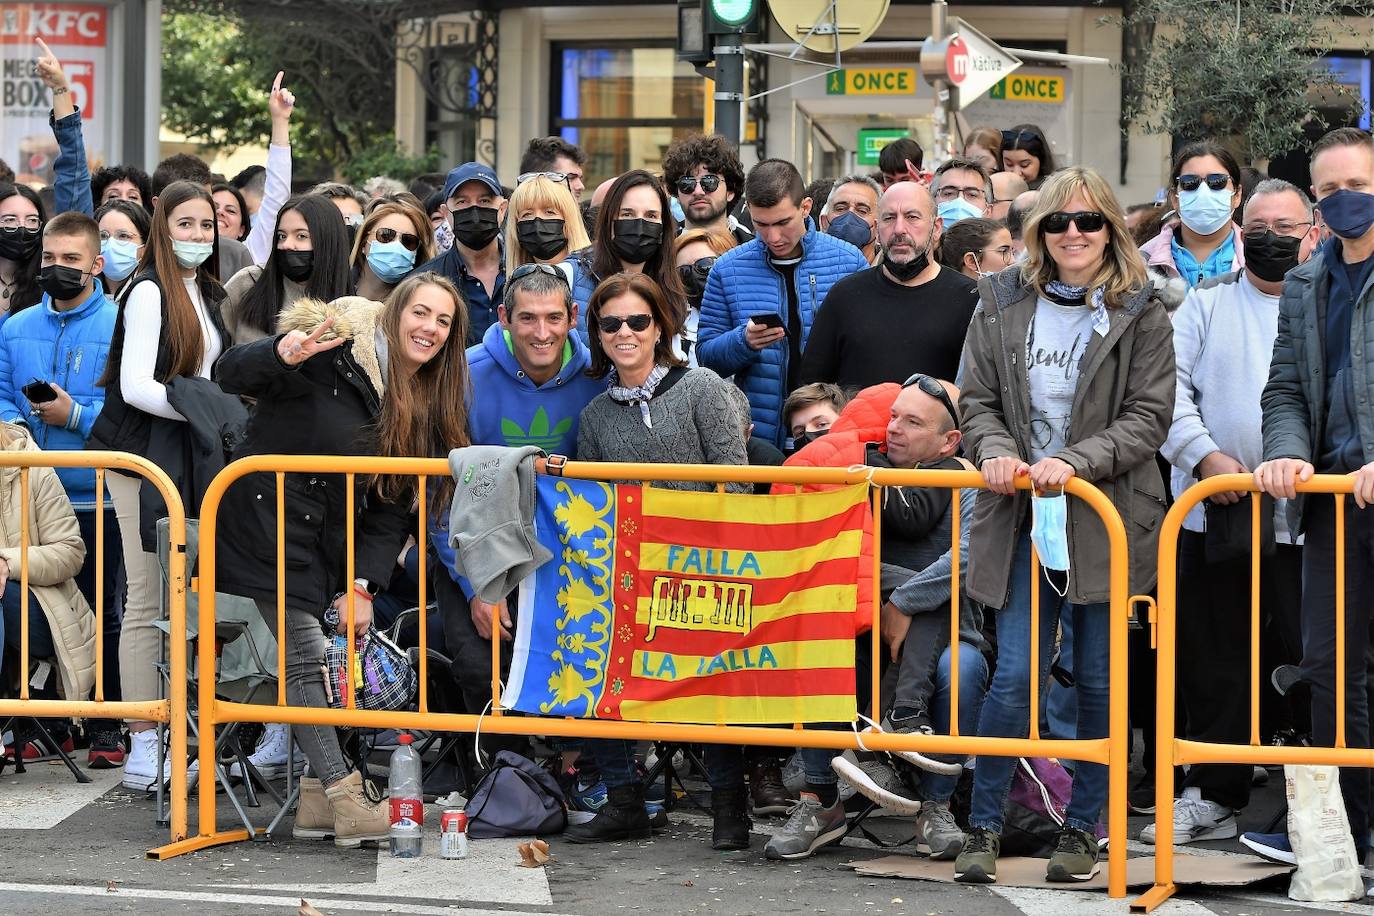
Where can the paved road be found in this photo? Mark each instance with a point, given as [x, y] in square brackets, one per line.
[69, 849]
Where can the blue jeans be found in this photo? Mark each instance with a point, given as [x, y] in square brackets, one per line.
[615, 759]
[1006, 711]
[1061, 703]
[973, 685]
[40, 636]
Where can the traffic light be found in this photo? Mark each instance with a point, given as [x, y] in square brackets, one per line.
[725, 17]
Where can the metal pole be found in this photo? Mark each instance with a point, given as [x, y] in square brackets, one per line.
[943, 112]
[729, 52]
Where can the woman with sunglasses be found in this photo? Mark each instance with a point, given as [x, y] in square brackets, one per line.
[310, 259]
[655, 410]
[395, 236]
[168, 329]
[1203, 242]
[1069, 372]
[977, 247]
[1026, 151]
[694, 254]
[124, 228]
[21, 247]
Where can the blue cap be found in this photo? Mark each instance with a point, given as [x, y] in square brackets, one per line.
[472, 171]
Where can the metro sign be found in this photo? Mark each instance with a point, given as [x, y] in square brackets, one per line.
[975, 63]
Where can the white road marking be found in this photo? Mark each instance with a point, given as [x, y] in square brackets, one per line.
[1277, 900]
[288, 901]
[1085, 903]
[47, 795]
[490, 873]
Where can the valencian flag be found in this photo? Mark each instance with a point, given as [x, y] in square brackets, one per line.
[672, 606]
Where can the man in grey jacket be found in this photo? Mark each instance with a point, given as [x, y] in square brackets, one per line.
[1223, 340]
[1319, 417]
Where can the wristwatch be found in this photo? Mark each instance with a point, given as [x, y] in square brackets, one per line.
[367, 586]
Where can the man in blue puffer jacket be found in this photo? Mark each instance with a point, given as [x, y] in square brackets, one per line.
[64, 340]
[529, 385]
[786, 271]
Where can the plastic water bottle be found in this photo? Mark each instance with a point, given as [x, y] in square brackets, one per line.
[407, 800]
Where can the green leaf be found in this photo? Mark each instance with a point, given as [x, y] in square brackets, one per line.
[563, 426]
[539, 426]
[510, 429]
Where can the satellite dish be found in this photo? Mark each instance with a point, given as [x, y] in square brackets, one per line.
[828, 26]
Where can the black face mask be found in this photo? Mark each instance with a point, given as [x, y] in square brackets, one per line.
[475, 227]
[694, 284]
[904, 272]
[542, 238]
[1271, 255]
[62, 283]
[636, 240]
[19, 244]
[296, 265]
[806, 438]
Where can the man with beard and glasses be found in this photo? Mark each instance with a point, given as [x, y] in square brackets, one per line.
[908, 314]
[1223, 341]
[705, 174]
[476, 207]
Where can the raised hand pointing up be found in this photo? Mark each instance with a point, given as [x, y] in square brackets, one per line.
[295, 347]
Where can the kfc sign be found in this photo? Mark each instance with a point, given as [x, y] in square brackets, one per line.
[57, 24]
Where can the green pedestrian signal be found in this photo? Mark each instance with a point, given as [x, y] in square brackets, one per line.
[733, 12]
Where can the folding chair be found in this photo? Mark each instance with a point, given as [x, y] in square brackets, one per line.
[245, 657]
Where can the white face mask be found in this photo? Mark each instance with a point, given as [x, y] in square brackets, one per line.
[191, 254]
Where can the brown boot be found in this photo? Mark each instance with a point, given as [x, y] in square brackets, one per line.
[314, 816]
[360, 812]
[766, 790]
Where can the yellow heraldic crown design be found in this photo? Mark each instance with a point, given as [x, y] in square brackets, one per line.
[584, 597]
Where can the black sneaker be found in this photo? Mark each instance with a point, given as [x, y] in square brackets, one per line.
[1141, 797]
[1075, 857]
[977, 861]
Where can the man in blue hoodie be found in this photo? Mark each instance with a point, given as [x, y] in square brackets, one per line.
[63, 342]
[761, 297]
[529, 385]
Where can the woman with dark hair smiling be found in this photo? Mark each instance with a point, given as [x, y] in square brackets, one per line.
[655, 410]
[21, 248]
[310, 258]
[231, 211]
[1026, 151]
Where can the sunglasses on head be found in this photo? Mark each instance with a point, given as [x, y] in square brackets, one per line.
[1217, 181]
[409, 240]
[933, 388]
[1013, 137]
[701, 267]
[556, 177]
[1085, 220]
[610, 324]
[526, 270]
[688, 183]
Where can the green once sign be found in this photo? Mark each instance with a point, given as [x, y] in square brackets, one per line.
[871, 141]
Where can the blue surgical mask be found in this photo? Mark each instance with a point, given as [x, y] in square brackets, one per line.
[1050, 532]
[951, 211]
[676, 207]
[1203, 210]
[390, 261]
[851, 227]
[1348, 213]
[192, 254]
[121, 257]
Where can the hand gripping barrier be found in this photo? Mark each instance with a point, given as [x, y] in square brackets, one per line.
[1112, 751]
[1174, 751]
[171, 710]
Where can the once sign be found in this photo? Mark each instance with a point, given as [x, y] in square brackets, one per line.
[1030, 88]
[872, 81]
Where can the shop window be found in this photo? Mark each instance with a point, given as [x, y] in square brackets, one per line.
[624, 104]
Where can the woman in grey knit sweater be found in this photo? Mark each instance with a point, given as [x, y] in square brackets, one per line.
[654, 410]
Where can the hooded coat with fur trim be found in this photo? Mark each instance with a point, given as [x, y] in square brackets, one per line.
[56, 553]
[328, 405]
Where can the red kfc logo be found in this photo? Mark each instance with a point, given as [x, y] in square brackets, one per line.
[55, 23]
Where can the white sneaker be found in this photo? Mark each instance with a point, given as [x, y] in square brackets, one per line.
[140, 767]
[269, 757]
[1196, 818]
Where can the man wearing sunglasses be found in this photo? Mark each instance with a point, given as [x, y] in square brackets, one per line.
[1223, 342]
[529, 386]
[910, 313]
[761, 297]
[1319, 417]
[475, 206]
[705, 174]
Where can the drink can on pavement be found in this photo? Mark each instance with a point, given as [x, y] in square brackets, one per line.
[453, 834]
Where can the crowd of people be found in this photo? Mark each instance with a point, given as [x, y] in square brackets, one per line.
[1000, 312]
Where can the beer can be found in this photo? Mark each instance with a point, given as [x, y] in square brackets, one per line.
[453, 834]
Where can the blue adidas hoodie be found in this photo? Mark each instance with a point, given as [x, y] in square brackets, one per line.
[69, 349]
[506, 408]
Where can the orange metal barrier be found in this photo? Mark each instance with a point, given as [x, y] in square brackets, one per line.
[1112, 751]
[171, 710]
[1173, 751]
